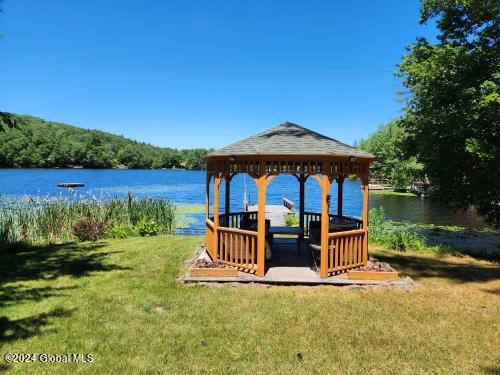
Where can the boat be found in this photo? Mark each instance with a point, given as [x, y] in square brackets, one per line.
[71, 184]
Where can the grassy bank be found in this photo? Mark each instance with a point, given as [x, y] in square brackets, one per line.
[120, 300]
[392, 192]
[430, 238]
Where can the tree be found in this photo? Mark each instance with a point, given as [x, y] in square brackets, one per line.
[390, 162]
[452, 114]
[27, 141]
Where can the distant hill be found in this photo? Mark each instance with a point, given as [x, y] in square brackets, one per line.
[31, 142]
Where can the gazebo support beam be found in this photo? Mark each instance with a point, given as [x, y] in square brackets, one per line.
[227, 202]
[364, 181]
[302, 182]
[207, 195]
[217, 181]
[340, 192]
[261, 225]
[325, 182]
[325, 192]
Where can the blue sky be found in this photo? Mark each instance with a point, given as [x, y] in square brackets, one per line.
[206, 73]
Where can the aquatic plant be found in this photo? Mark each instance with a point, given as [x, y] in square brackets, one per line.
[51, 219]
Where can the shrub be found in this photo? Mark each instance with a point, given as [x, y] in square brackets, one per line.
[395, 237]
[90, 230]
[291, 220]
[403, 240]
[147, 228]
[378, 224]
[119, 231]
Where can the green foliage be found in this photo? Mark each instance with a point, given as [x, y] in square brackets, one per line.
[30, 142]
[392, 236]
[90, 230]
[386, 144]
[403, 240]
[147, 228]
[291, 220]
[52, 220]
[452, 122]
[120, 231]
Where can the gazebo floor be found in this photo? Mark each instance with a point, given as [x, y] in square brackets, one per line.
[287, 266]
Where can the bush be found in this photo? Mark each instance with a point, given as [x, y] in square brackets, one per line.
[147, 228]
[403, 240]
[291, 220]
[119, 231]
[90, 230]
[388, 234]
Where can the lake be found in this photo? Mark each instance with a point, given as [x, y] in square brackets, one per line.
[188, 187]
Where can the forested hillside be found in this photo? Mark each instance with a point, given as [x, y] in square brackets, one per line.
[30, 142]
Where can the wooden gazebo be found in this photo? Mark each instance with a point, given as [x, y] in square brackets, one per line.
[292, 149]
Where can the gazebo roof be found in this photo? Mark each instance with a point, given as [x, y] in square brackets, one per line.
[289, 139]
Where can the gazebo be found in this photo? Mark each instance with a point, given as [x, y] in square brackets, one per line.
[291, 149]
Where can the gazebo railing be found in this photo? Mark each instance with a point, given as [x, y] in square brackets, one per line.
[346, 250]
[316, 216]
[233, 219]
[237, 247]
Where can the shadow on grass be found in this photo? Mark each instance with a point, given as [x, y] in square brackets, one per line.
[43, 263]
[47, 262]
[12, 295]
[434, 267]
[494, 370]
[12, 330]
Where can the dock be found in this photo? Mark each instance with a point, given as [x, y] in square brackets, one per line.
[70, 184]
[275, 213]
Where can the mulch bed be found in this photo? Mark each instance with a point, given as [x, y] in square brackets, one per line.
[203, 263]
[377, 267]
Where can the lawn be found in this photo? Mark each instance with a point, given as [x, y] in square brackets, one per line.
[121, 301]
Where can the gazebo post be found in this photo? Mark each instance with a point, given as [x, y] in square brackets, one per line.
[227, 200]
[364, 181]
[261, 221]
[217, 181]
[207, 195]
[325, 191]
[302, 181]
[340, 191]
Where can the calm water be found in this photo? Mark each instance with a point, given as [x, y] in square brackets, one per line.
[188, 187]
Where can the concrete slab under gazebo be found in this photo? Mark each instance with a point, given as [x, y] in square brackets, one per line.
[239, 238]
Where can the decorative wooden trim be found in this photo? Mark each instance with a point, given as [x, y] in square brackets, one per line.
[372, 275]
[238, 231]
[213, 272]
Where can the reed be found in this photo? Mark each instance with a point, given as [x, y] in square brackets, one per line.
[51, 219]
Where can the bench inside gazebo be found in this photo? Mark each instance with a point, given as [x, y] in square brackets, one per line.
[239, 239]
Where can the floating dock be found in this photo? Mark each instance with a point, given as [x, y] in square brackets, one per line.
[71, 184]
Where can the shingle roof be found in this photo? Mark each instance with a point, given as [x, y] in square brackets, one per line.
[289, 139]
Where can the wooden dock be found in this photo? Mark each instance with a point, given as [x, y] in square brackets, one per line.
[275, 213]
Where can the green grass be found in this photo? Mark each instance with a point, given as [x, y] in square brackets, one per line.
[121, 300]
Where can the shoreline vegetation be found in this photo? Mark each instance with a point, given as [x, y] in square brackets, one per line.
[55, 220]
[31, 142]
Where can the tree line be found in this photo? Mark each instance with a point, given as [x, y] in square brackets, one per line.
[450, 129]
[30, 142]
